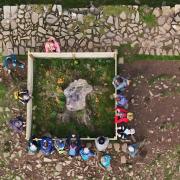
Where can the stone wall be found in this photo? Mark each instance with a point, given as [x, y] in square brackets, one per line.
[27, 27]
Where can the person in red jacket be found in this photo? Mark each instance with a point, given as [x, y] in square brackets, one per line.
[122, 116]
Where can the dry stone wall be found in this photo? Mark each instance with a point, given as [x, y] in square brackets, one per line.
[27, 27]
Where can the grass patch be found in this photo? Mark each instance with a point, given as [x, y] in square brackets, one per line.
[3, 90]
[160, 77]
[147, 17]
[116, 10]
[84, 3]
[53, 76]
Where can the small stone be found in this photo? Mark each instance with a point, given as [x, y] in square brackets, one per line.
[124, 147]
[59, 8]
[123, 159]
[121, 60]
[157, 12]
[110, 20]
[117, 147]
[59, 167]
[123, 16]
[41, 30]
[34, 18]
[137, 17]
[6, 154]
[161, 20]
[47, 159]
[51, 19]
[18, 178]
[165, 86]
[1, 109]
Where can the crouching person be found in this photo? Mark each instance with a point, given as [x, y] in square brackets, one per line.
[120, 83]
[17, 124]
[23, 96]
[59, 145]
[33, 145]
[85, 153]
[46, 146]
[105, 162]
[73, 145]
[52, 45]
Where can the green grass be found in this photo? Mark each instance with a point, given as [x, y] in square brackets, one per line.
[3, 91]
[160, 77]
[98, 73]
[148, 17]
[116, 10]
[85, 3]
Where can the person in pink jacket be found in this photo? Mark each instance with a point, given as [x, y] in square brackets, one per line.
[52, 45]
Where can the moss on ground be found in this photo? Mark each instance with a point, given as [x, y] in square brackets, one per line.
[53, 76]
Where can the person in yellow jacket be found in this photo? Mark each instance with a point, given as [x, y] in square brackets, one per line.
[23, 96]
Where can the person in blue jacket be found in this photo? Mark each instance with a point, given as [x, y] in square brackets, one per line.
[106, 161]
[121, 101]
[85, 153]
[120, 83]
[10, 62]
[46, 146]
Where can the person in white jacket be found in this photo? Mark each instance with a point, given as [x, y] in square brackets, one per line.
[101, 143]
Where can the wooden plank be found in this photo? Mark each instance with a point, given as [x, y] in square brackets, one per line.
[30, 89]
[78, 55]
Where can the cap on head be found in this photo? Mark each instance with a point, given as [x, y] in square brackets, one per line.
[130, 116]
[132, 131]
[101, 140]
[131, 148]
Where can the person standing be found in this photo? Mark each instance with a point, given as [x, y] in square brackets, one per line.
[101, 143]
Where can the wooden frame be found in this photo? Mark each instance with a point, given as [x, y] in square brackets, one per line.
[68, 55]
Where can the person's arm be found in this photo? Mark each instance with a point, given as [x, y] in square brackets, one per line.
[120, 120]
[57, 47]
[46, 47]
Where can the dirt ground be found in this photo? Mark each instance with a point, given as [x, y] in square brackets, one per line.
[156, 105]
[155, 101]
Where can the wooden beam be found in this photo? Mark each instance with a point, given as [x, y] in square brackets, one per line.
[77, 55]
[30, 89]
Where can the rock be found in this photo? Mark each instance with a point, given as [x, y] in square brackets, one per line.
[80, 18]
[71, 42]
[7, 154]
[161, 20]
[1, 109]
[51, 19]
[47, 160]
[76, 94]
[22, 6]
[157, 11]
[7, 12]
[34, 18]
[41, 30]
[59, 8]
[121, 60]
[166, 10]
[167, 27]
[117, 147]
[137, 17]
[110, 34]
[124, 147]
[123, 159]
[13, 24]
[18, 178]
[90, 45]
[5, 24]
[110, 20]
[59, 167]
[123, 16]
